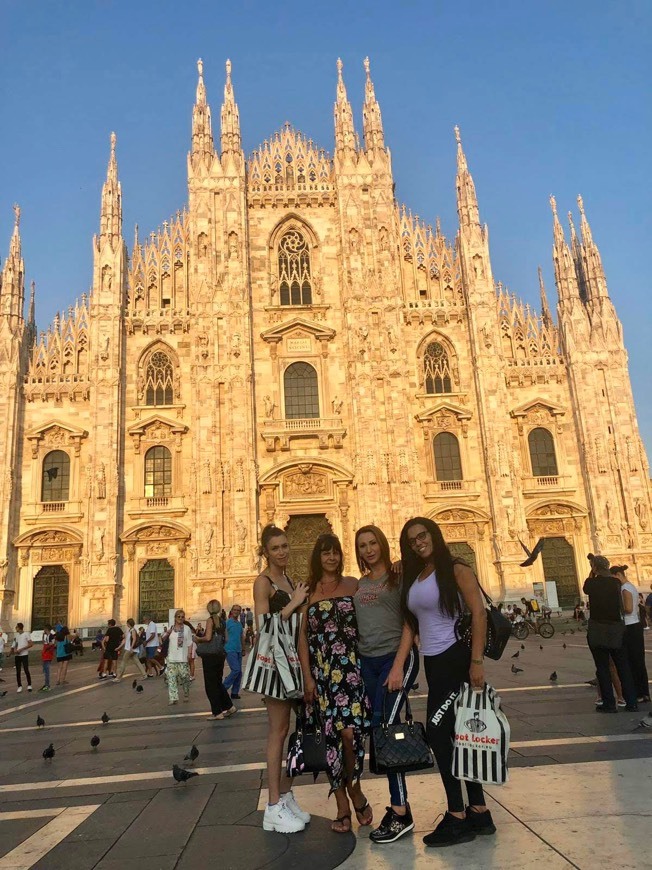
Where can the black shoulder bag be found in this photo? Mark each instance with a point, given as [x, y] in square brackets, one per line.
[399, 747]
[499, 629]
[307, 746]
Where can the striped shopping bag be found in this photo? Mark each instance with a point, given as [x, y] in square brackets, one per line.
[481, 741]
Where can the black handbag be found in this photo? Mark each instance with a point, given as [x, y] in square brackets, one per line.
[399, 747]
[605, 635]
[499, 629]
[214, 646]
[307, 745]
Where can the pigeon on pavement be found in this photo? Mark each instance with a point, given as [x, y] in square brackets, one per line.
[2, 694]
[139, 689]
[95, 741]
[105, 718]
[522, 646]
[553, 677]
[516, 670]
[134, 684]
[48, 753]
[516, 654]
[182, 775]
[533, 554]
[564, 645]
[192, 755]
[40, 722]
[540, 646]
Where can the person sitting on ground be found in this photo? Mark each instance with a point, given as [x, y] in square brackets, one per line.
[77, 643]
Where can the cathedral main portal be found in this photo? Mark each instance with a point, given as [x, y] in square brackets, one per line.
[302, 531]
[156, 589]
[50, 600]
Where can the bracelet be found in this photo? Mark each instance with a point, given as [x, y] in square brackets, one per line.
[477, 661]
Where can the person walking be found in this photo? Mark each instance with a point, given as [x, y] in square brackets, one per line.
[605, 634]
[634, 640]
[389, 663]
[129, 650]
[112, 643]
[210, 648]
[275, 596]
[328, 649]
[152, 643]
[235, 649]
[20, 647]
[48, 649]
[180, 641]
[2, 650]
[64, 654]
[434, 587]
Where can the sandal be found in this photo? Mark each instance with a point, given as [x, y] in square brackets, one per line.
[342, 821]
[361, 813]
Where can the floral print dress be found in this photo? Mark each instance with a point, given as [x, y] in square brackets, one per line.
[333, 645]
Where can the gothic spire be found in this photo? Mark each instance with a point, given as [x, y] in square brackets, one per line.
[467, 201]
[345, 137]
[565, 272]
[231, 140]
[202, 136]
[577, 254]
[31, 314]
[12, 277]
[596, 282]
[374, 138]
[546, 316]
[111, 208]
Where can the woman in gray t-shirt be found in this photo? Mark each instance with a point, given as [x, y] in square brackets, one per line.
[389, 660]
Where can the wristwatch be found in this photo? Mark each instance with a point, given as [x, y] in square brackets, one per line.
[477, 661]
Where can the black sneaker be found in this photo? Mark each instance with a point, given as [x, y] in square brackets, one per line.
[481, 823]
[235, 697]
[604, 709]
[630, 708]
[392, 826]
[450, 831]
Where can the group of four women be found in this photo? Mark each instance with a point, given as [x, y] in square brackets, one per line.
[358, 652]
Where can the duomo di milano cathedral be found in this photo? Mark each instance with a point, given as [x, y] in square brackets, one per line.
[298, 347]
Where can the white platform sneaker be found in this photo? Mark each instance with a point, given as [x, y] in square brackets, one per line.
[291, 803]
[280, 818]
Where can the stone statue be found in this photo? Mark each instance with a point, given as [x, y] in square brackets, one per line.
[270, 405]
[206, 480]
[640, 509]
[337, 406]
[241, 535]
[98, 543]
[100, 481]
[208, 538]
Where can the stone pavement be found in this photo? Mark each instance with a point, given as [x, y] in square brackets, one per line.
[580, 782]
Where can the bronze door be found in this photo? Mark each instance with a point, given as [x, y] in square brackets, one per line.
[559, 565]
[156, 590]
[50, 599]
[302, 532]
[462, 550]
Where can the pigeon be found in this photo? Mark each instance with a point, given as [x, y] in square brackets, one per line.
[572, 631]
[644, 723]
[540, 646]
[516, 670]
[516, 654]
[95, 741]
[182, 775]
[593, 683]
[192, 755]
[533, 554]
[522, 646]
[2, 694]
[139, 689]
[553, 677]
[105, 718]
[134, 684]
[564, 645]
[40, 722]
[48, 753]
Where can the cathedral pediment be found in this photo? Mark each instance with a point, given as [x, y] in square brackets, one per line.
[538, 406]
[444, 411]
[54, 434]
[157, 429]
[298, 328]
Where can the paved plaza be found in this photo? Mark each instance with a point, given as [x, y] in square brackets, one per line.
[579, 791]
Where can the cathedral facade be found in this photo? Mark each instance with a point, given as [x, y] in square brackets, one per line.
[297, 347]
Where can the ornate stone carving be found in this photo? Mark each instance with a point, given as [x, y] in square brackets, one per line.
[640, 509]
[303, 484]
[100, 481]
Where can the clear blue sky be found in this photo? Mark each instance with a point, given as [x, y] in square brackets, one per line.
[550, 97]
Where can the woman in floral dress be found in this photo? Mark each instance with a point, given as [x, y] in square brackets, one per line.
[328, 649]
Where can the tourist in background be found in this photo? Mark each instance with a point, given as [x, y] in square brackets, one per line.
[274, 593]
[234, 649]
[128, 650]
[64, 654]
[48, 649]
[213, 662]
[179, 639]
[634, 640]
[112, 644]
[435, 588]
[152, 643]
[2, 650]
[328, 649]
[20, 647]
[389, 662]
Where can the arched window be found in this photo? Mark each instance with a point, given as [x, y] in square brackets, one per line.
[55, 485]
[448, 465]
[301, 391]
[159, 378]
[542, 453]
[158, 472]
[294, 278]
[436, 369]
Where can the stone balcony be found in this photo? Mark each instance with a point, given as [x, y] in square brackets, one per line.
[53, 511]
[157, 506]
[442, 489]
[535, 486]
[328, 431]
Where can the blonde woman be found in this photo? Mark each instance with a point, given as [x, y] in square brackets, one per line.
[178, 669]
[213, 659]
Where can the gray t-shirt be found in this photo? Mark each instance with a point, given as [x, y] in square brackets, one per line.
[378, 612]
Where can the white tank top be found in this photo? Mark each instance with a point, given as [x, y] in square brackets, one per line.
[436, 629]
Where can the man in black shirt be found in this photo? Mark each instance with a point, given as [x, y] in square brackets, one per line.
[606, 632]
[111, 642]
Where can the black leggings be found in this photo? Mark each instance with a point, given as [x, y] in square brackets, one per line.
[445, 674]
[213, 667]
[23, 662]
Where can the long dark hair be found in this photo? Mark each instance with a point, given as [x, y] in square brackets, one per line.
[413, 564]
[327, 541]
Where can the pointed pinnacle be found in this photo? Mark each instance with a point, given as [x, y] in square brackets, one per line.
[553, 205]
[580, 203]
[16, 215]
[367, 67]
[458, 137]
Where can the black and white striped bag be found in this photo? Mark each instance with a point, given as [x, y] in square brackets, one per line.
[273, 667]
[481, 741]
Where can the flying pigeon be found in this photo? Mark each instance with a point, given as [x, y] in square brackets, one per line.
[516, 654]
[553, 677]
[105, 718]
[48, 753]
[532, 555]
[182, 775]
[139, 689]
[192, 755]
[40, 722]
[95, 741]
[516, 670]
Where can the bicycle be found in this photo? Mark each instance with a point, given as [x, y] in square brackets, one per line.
[541, 626]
